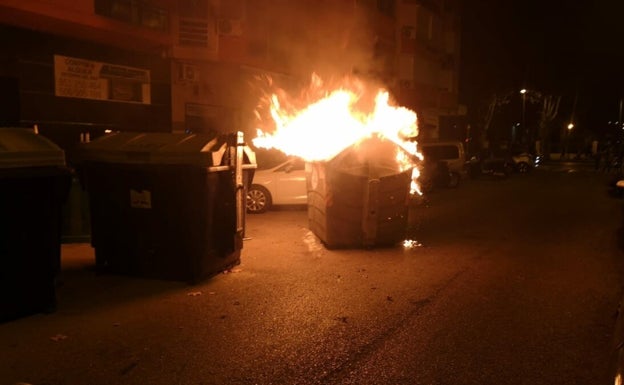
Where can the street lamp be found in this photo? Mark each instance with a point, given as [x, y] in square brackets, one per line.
[567, 143]
[523, 93]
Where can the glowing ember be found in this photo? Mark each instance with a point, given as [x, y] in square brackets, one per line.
[338, 119]
[411, 244]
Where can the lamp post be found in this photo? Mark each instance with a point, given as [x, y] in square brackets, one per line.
[567, 144]
[523, 93]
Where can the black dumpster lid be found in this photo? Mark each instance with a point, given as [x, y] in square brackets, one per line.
[159, 148]
[22, 147]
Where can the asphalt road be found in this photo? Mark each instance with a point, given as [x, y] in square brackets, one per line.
[513, 281]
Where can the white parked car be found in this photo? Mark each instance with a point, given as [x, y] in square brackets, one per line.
[284, 184]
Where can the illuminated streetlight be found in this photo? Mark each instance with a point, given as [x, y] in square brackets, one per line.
[523, 93]
[567, 139]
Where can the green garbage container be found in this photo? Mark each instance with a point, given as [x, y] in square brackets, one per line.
[360, 197]
[34, 183]
[167, 205]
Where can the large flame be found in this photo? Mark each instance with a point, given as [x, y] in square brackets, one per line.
[336, 120]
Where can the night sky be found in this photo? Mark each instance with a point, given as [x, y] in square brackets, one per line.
[570, 48]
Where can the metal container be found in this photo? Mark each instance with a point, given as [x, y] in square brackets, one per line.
[360, 197]
[34, 183]
[167, 206]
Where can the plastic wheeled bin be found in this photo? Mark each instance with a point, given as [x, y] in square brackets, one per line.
[360, 198]
[34, 183]
[167, 205]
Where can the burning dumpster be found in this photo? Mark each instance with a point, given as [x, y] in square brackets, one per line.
[167, 206]
[360, 197]
[362, 158]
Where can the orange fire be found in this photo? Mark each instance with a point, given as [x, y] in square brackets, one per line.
[338, 119]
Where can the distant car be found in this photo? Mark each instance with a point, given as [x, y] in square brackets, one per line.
[523, 162]
[284, 184]
[488, 162]
[616, 186]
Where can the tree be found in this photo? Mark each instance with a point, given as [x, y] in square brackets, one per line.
[493, 104]
[548, 112]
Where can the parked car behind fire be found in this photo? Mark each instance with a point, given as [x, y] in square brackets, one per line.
[283, 184]
[445, 162]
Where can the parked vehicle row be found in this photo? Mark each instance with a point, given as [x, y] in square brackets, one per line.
[445, 164]
[500, 163]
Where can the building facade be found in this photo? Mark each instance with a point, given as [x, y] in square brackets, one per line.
[75, 66]
[71, 71]
[428, 52]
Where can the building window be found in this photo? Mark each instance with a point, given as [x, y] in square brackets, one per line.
[193, 33]
[194, 26]
[154, 18]
[137, 12]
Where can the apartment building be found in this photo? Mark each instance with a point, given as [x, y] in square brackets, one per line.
[75, 66]
[428, 36]
[83, 66]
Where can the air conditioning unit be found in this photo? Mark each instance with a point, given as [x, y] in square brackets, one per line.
[230, 27]
[188, 72]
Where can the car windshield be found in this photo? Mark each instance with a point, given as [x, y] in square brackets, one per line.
[267, 159]
[295, 165]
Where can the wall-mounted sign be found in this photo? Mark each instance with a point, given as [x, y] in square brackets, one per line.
[86, 79]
